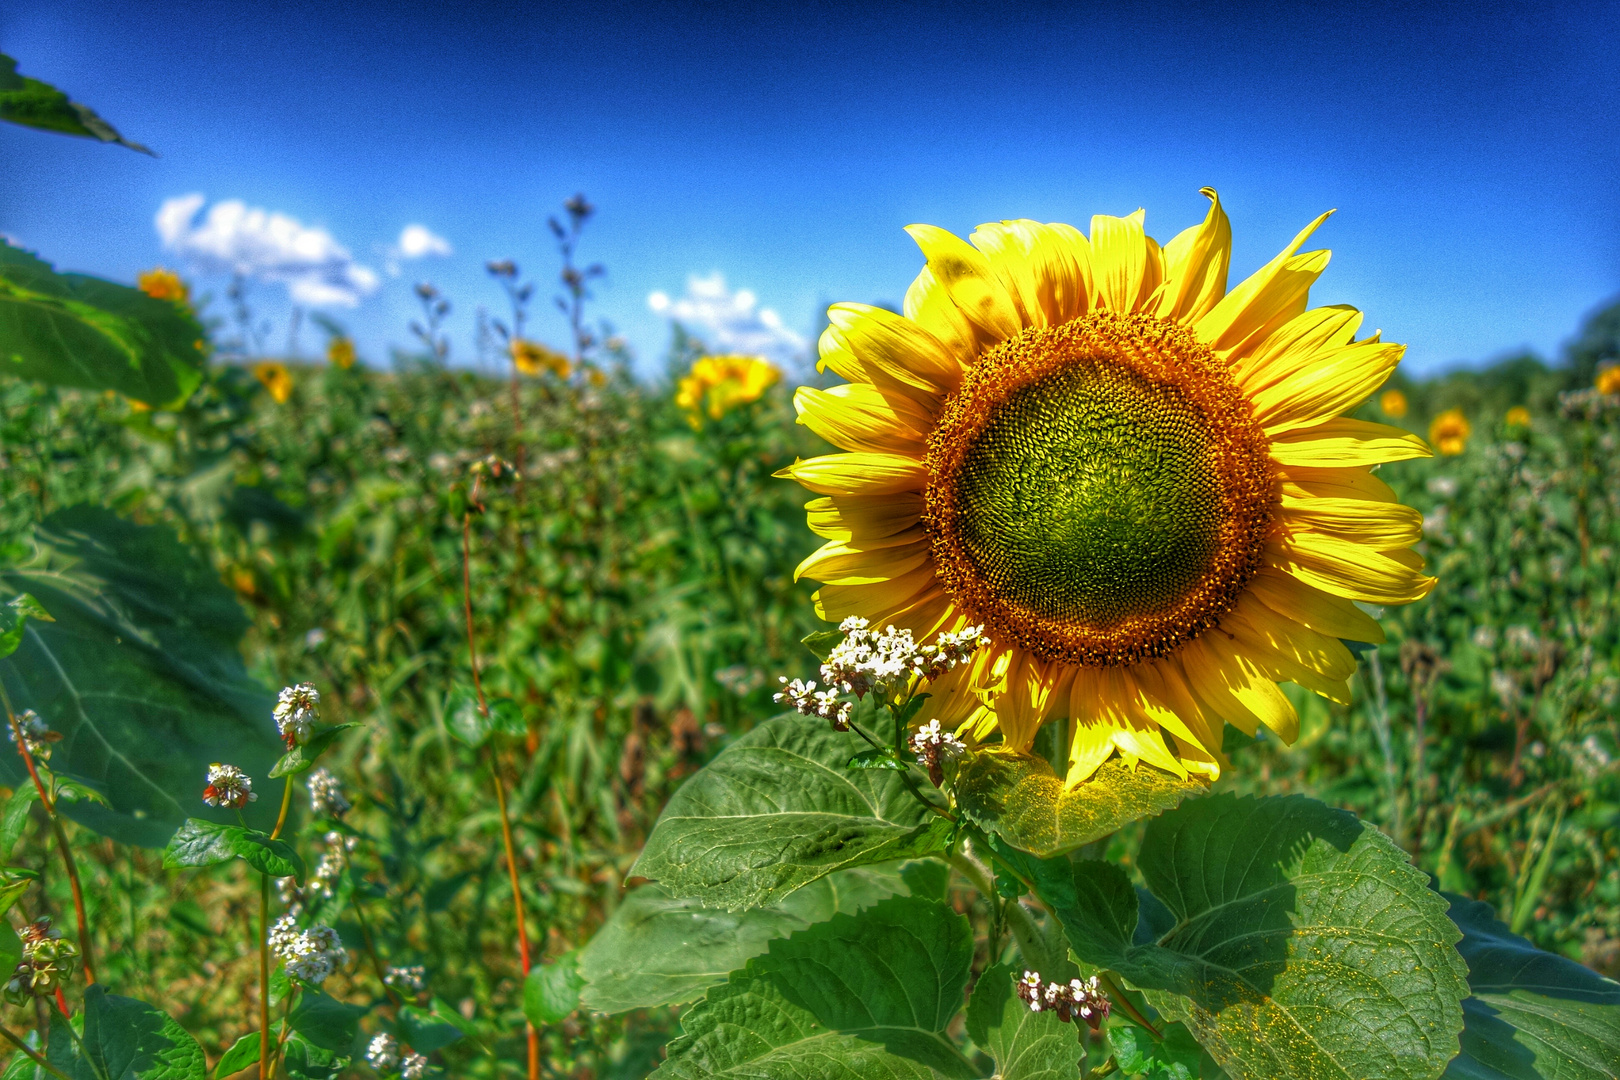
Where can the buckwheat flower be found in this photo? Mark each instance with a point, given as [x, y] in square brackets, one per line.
[383, 1053]
[414, 1067]
[326, 796]
[1029, 990]
[309, 955]
[37, 734]
[296, 713]
[932, 746]
[412, 980]
[229, 787]
[1082, 998]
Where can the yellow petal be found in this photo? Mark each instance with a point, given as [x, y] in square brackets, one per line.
[1005, 245]
[1377, 525]
[858, 474]
[894, 344]
[1294, 343]
[1325, 386]
[1289, 652]
[1126, 264]
[835, 603]
[1231, 687]
[967, 277]
[835, 354]
[1091, 745]
[863, 517]
[1195, 266]
[1303, 481]
[1309, 606]
[931, 307]
[1348, 570]
[1266, 299]
[1345, 442]
[1034, 689]
[862, 562]
[1046, 269]
[859, 416]
[1164, 682]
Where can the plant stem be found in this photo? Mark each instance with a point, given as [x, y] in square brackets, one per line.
[86, 951]
[264, 975]
[286, 802]
[1124, 1002]
[365, 933]
[33, 1055]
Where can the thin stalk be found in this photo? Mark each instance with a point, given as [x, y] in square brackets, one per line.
[33, 1055]
[286, 803]
[264, 975]
[86, 951]
[365, 933]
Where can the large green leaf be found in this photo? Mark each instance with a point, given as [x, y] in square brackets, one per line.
[204, 843]
[140, 673]
[777, 810]
[37, 104]
[859, 996]
[1025, 1045]
[125, 1039]
[660, 950]
[76, 330]
[244, 1052]
[1292, 939]
[1020, 799]
[1534, 1015]
[327, 1022]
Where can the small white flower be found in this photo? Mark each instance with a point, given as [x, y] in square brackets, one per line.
[414, 1067]
[326, 796]
[383, 1053]
[37, 734]
[296, 712]
[229, 787]
[310, 955]
[412, 980]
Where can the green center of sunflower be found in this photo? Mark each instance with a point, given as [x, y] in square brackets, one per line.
[1098, 491]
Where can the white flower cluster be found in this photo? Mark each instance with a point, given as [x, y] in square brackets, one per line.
[323, 882]
[383, 1053]
[868, 660]
[37, 734]
[1068, 1000]
[414, 1067]
[296, 711]
[229, 787]
[412, 980]
[310, 955]
[326, 796]
[932, 746]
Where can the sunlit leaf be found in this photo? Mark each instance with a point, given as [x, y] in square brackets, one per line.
[205, 843]
[37, 104]
[124, 1039]
[1025, 1045]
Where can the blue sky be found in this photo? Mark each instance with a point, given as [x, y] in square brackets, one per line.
[1473, 150]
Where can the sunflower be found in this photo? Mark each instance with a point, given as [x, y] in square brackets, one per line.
[533, 358]
[1449, 432]
[718, 384]
[1608, 380]
[1392, 403]
[340, 352]
[276, 379]
[162, 284]
[1140, 482]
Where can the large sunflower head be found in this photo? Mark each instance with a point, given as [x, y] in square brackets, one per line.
[1140, 482]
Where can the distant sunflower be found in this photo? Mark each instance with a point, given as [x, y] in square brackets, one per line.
[162, 284]
[1139, 481]
[718, 384]
[276, 379]
[1449, 431]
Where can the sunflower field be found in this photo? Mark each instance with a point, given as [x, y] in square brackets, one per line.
[1104, 666]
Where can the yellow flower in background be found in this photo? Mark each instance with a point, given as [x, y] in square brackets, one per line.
[1142, 483]
[533, 358]
[340, 352]
[1608, 380]
[718, 384]
[276, 379]
[1518, 416]
[1449, 432]
[1392, 403]
[595, 376]
[162, 284]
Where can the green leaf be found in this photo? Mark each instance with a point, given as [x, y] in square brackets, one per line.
[1020, 799]
[141, 673]
[204, 843]
[325, 1021]
[10, 943]
[125, 1039]
[1025, 1045]
[77, 330]
[885, 758]
[244, 1052]
[551, 991]
[822, 642]
[1174, 1057]
[1292, 939]
[302, 758]
[858, 996]
[425, 1033]
[659, 950]
[1534, 1015]
[14, 818]
[12, 890]
[469, 724]
[36, 104]
[778, 809]
[305, 1061]
[14, 618]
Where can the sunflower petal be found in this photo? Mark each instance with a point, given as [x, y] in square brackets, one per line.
[863, 517]
[1302, 481]
[1266, 299]
[1033, 687]
[1345, 442]
[1126, 263]
[931, 307]
[1348, 570]
[1377, 525]
[1195, 266]
[1310, 606]
[1005, 245]
[1293, 650]
[863, 562]
[857, 474]
[894, 344]
[859, 416]
[1233, 688]
[1091, 745]
[1295, 342]
[967, 277]
[1046, 269]
[878, 601]
[1325, 386]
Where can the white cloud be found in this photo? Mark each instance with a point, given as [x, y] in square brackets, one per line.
[419, 241]
[235, 238]
[731, 322]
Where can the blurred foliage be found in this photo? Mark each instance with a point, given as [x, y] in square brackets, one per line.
[633, 600]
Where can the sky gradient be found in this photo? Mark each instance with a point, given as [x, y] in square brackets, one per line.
[1472, 151]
